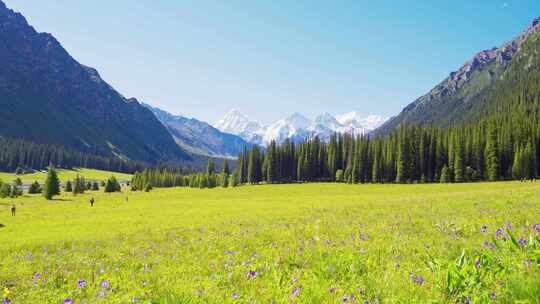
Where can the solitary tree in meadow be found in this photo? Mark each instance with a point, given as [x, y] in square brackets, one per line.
[52, 184]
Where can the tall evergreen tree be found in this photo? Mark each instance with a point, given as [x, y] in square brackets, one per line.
[52, 184]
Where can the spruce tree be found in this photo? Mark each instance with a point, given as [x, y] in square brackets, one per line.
[491, 155]
[52, 184]
[445, 175]
[68, 187]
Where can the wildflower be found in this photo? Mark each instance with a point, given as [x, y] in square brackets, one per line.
[522, 242]
[68, 301]
[296, 291]
[419, 280]
[252, 274]
[527, 263]
[295, 280]
[353, 297]
[477, 263]
[235, 296]
[366, 302]
[36, 276]
[360, 290]
[411, 275]
[483, 228]
[509, 226]
[331, 290]
[146, 268]
[136, 300]
[493, 296]
[6, 292]
[488, 245]
[6, 301]
[398, 266]
[104, 284]
[81, 283]
[499, 232]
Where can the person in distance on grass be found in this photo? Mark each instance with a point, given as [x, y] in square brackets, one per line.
[92, 202]
[13, 210]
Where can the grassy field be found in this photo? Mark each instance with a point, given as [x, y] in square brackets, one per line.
[65, 175]
[304, 243]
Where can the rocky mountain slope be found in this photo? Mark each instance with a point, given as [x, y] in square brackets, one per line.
[453, 100]
[46, 96]
[199, 137]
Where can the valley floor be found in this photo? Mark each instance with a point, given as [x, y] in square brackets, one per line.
[303, 243]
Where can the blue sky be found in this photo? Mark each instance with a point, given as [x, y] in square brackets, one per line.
[271, 58]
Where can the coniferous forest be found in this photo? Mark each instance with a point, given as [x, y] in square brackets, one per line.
[499, 148]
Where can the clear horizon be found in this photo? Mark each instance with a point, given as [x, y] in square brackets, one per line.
[268, 60]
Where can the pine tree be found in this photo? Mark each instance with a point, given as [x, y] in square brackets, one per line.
[68, 187]
[210, 167]
[491, 155]
[52, 184]
[445, 175]
[458, 161]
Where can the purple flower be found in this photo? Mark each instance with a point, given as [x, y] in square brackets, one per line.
[295, 280]
[6, 301]
[81, 283]
[146, 268]
[353, 297]
[509, 226]
[296, 291]
[499, 232]
[366, 302]
[68, 301]
[136, 300]
[493, 296]
[488, 245]
[235, 296]
[419, 280]
[104, 284]
[477, 263]
[36, 276]
[252, 274]
[483, 228]
[331, 290]
[522, 242]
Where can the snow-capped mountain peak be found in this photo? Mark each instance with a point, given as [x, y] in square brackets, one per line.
[235, 122]
[297, 127]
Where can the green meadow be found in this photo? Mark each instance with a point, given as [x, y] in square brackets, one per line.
[297, 243]
[65, 175]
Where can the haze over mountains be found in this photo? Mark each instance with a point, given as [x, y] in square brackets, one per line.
[296, 127]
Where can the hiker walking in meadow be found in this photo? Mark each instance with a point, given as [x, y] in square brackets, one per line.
[92, 202]
[13, 210]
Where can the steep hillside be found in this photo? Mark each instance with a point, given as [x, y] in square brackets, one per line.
[459, 96]
[199, 137]
[46, 96]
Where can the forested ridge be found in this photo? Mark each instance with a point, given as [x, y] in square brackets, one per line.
[22, 154]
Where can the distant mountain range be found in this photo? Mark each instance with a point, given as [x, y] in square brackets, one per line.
[296, 127]
[199, 137]
[48, 97]
[468, 94]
